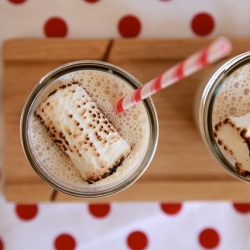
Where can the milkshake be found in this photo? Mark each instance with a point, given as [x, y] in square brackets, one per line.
[105, 84]
[224, 118]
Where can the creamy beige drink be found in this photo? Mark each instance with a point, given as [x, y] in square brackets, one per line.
[229, 119]
[233, 99]
[134, 125]
[224, 117]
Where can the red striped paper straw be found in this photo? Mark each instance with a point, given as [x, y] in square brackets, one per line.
[218, 49]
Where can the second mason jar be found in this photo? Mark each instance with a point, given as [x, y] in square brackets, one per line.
[226, 94]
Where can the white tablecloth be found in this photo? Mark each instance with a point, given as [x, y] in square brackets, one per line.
[187, 225]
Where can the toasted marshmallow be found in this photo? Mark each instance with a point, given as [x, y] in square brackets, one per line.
[78, 126]
[233, 134]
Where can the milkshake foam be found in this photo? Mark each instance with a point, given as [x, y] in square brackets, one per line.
[233, 100]
[105, 89]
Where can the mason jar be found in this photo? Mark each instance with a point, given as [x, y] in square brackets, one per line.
[225, 94]
[105, 83]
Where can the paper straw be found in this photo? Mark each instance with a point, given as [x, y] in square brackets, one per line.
[218, 49]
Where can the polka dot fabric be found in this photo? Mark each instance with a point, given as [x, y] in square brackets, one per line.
[1, 245]
[209, 238]
[242, 208]
[171, 208]
[99, 210]
[137, 240]
[160, 225]
[17, 1]
[140, 225]
[65, 242]
[129, 26]
[55, 27]
[26, 212]
[128, 19]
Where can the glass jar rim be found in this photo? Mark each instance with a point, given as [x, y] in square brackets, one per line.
[89, 65]
[206, 110]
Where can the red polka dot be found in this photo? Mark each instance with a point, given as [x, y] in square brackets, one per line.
[171, 208]
[99, 210]
[202, 24]
[65, 242]
[137, 240]
[26, 212]
[242, 207]
[55, 27]
[91, 1]
[17, 1]
[209, 238]
[1, 245]
[129, 26]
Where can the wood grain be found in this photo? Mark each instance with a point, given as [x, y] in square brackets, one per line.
[174, 191]
[182, 169]
[26, 61]
[165, 49]
[54, 49]
[28, 192]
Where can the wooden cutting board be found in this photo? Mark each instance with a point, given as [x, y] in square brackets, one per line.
[182, 169]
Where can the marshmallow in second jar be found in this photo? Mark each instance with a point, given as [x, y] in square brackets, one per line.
[233, 134]
[78, 126]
